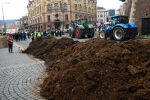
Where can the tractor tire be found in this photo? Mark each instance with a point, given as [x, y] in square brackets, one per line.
[133, 34]
[71, 34]
[79, 33]
[102, 35]
[119, 34]
[90, 33]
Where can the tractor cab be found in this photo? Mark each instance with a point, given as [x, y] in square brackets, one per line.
[82, 22]
[120, 20]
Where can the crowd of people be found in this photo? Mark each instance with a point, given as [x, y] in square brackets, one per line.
[19, 36]
[30, 35]
[33, 35]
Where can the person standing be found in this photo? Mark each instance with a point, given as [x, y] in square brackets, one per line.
[32, 36]
[10, 43]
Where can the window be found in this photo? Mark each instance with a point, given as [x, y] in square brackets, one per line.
[40, 9]
[75, 6]
[56, 5]
[76, 17]
[48, 7]
[48, 18]
[38, 20]
[66, 17]
[80, 7]
[65, 6]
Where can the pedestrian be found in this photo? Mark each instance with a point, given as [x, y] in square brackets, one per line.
[10, 43]
[99, 28]
[32, 36]
[28, 35]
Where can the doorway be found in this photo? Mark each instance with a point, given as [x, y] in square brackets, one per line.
[57, 24]
[145, 26]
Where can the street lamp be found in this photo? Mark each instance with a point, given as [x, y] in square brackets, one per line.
[4, 27]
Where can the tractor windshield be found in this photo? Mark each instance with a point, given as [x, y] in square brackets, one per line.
[120, 20]
[83, 22]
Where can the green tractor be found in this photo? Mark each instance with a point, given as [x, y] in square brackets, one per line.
[80, 29]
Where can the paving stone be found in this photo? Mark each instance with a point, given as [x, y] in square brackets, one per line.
[18, 74]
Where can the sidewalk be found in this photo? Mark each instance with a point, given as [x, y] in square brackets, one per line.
[18, 73]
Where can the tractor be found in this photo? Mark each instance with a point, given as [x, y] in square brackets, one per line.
[80, 29]
[119, 29]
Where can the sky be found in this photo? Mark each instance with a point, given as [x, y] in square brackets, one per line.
[15, 9]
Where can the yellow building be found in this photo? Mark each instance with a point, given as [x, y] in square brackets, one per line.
[48, 14]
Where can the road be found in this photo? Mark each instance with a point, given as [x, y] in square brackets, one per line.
[18, 74]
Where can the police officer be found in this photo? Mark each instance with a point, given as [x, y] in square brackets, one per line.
[38, 35]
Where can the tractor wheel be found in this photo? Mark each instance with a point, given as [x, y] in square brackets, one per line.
[71, 34]
[90, 33]
[133, 34]
[119, 34]
[79, 33]
[102, 35]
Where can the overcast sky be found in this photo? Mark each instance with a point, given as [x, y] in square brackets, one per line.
[15, 9]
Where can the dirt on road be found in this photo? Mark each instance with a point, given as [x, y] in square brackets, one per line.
[3, 42]
[94, 70]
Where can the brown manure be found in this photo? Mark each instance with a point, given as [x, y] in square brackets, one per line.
[94, 70]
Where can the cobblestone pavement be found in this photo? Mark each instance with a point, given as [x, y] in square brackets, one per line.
[24, 44]
[18, 75]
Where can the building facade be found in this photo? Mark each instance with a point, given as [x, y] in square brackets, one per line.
[139, 14]
[102, 14]
[22, 24]
[11, 29]
[125, 9]
[47, 14]
[111, 12]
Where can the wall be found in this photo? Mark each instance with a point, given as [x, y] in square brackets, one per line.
[3, 42]
[140, 9]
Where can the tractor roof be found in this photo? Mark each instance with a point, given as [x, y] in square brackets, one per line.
[117, 16]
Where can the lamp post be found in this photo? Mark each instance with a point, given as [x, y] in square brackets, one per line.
[3, 17]
[4, 26]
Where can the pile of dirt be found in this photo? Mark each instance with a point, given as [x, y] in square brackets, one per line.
[3, 42]
[49, 49]
[94, 70]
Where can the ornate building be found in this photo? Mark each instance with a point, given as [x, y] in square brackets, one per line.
[48, 14]
[102, 15]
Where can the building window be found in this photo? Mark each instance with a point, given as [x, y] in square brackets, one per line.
[75, 6]
[48, 18]
[66, 17]
[40, 9]
[65, 6]
[56, 5]
[48, 7]
[76, 17]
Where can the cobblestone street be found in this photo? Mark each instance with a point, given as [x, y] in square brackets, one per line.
[18, 75]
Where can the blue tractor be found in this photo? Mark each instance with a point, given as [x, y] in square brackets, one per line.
[119, 29]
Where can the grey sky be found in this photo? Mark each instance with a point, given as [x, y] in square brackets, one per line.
[14, 9]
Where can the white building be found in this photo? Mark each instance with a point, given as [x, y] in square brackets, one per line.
[102, 14]
[11, 29]
[18, 25]
[22, 24]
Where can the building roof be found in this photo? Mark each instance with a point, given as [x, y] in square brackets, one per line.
[12, 27]
[99, 8]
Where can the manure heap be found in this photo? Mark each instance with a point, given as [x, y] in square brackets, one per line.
[94, 70]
